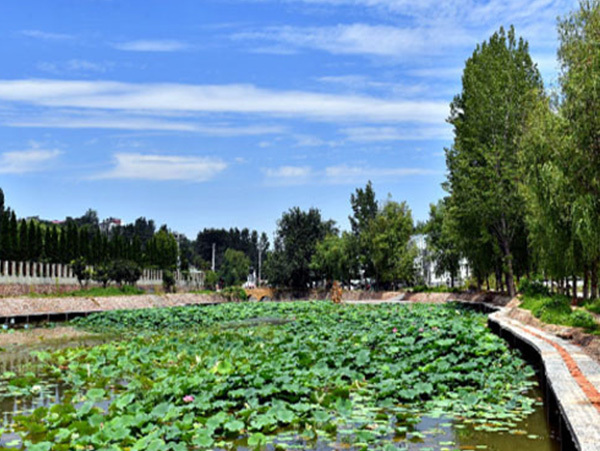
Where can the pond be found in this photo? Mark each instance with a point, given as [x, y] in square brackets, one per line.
[307, 375]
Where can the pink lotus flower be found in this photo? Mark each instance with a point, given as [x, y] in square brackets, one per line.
[421, 329]
[395, 330]
[188, 398]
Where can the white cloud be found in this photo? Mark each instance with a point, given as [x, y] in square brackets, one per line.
[378, 134]
[121, 122]
[38, 34]
[136, 166]
[75, 65]
[239, 99]
[342, 174]
[364, 39]
[349, 174]
[152, 45]
[30, 160]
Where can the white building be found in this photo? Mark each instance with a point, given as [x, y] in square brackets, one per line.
[426, 266]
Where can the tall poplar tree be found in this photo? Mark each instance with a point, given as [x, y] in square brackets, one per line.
[500, 82]
[579, 55]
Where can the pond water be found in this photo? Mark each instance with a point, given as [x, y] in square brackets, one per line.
[400, 427]
[418, 432]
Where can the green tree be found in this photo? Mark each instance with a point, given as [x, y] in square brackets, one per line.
[364, 210]
[162, 250]
[579, 55]
[500, 84]
[235, 267]
[388, 240]
[296, 238]
[335, 258]
[442, 241]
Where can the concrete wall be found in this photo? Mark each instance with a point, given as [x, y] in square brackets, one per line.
[41, 277]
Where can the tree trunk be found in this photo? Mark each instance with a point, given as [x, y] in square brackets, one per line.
[574, 278]
[510, 281]
[586, 283]
[594, 282]
[452, 280]
[487, 283]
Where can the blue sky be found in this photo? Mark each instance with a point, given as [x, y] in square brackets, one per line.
[225, 113]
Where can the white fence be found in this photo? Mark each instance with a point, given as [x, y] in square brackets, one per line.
[35, 273]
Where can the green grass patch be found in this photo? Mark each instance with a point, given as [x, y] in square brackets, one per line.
[557, 310]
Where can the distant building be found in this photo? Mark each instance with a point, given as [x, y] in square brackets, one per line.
[109, 224]
[426, 266]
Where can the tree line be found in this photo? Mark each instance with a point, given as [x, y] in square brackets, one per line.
[523, 186]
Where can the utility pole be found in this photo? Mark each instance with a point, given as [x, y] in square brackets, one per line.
[214, 251]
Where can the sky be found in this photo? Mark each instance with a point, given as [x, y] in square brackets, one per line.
[226, 113]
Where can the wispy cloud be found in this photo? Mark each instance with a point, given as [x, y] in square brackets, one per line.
[364, 39]
[47, 36]
[75, 65]
[136, 166]
[219, 99]
[30, 160]
[341, 174]
[139, 123]
[379, 134]
[152, 45]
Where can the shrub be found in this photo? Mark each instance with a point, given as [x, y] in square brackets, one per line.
[235, 294]
[210, 280]
[579, 318]
[533, 287]
[168, 280]
[81, 271]
[101, 275]
[125, 271]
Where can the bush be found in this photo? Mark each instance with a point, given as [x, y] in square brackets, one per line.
[440, 289]
[168, 280]
[81, 271]
[235, 294]
[533, 287]
[101, 275]
[125, 271]
[210, 280]
[579, 318]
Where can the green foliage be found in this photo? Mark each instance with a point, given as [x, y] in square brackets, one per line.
[439, 289]
[235, 268]
[234, 294]
[558, 310]
[162, 250]
[500, 83]
[124, 271]
[101, 274]
[297, 235]
[388, 240]
[533, 287]
[336, 258]
[442, 241]
[81, 271]
[168, 280]
[197, 376]
[211, 279]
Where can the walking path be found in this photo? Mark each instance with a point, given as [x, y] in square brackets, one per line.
[24, 307]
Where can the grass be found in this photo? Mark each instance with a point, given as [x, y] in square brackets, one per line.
[557, 310]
